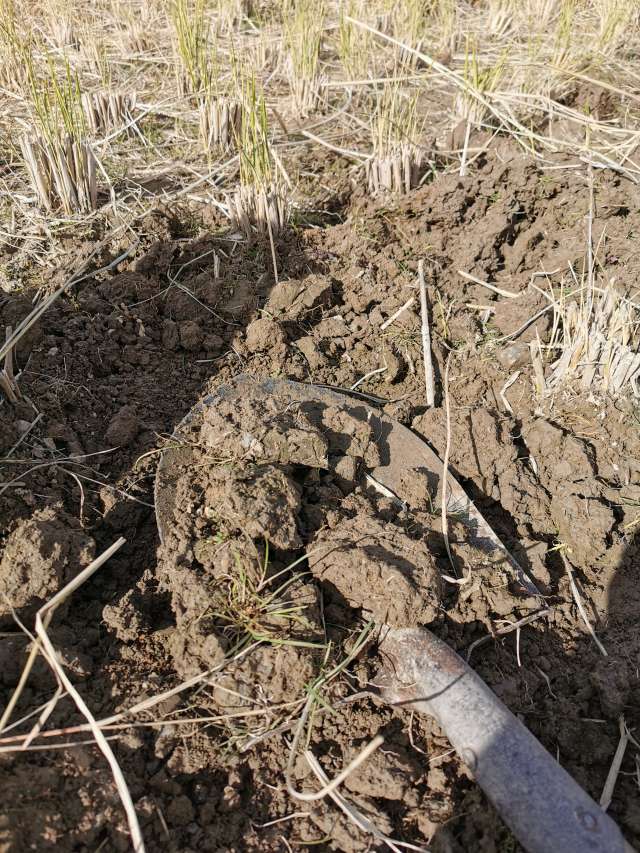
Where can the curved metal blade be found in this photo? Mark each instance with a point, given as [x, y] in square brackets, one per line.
[401, 451]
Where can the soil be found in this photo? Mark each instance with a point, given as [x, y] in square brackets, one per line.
[113, 368]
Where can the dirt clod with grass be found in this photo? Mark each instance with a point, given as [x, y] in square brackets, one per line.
[253, 612]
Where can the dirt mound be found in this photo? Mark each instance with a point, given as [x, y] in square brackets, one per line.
[115, 366]
[257, 480]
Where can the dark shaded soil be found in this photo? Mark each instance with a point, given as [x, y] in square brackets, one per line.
[114, 367]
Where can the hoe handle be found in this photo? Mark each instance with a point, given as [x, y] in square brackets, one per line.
[544, 807]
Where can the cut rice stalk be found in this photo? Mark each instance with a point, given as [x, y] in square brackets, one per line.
[398, 172]
[191, 46]
[307, 93]
[220, 122]
[263, 53]
[137, 27]
[107, 110]
[354, 45]
[535, 16]
[63, 34]
[137, 38]
[409, 22]
[479, 81]
[13, 46]
[60, 162]
[599, 343]
[96, 55]
[304, 35]
[265, 208]
[231, 13]
[260, 202]
[616, 18]
[62, 172]
[446, 21]
[397, 162]
[501, 17]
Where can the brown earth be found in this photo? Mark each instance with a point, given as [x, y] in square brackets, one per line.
[114, 366]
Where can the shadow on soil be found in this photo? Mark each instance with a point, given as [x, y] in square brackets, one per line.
[572, 698]
[134, 353]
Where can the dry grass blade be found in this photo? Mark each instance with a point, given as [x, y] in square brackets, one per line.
[579, 604]
[353, 813]
[330, 786]
[539, 380]
[616, 764]
[492, 287]
[117, 721]
[445, 466]
[8, 382]
[503, 391]
[43, 618]
[426, 339]
[44, 716]
[312, 699]
[397, 313]
[48, 609]
[23, 436]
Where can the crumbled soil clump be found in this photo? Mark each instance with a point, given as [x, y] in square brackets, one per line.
[376, 568]
[39, 557]
[116, 364]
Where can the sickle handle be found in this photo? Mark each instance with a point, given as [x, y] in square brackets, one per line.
[542, 804]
